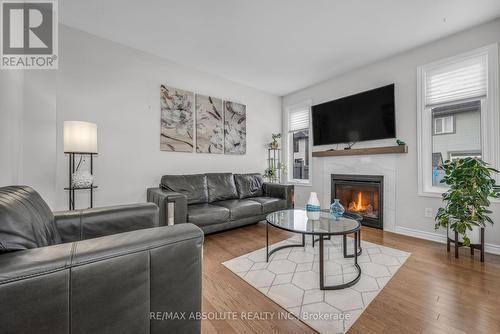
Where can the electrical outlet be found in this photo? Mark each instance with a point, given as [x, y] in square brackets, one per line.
[429, 213]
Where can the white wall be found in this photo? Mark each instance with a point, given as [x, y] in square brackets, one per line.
[119, 89]
[27, 130]
[11, 109]
[38, 155]
[401, 70]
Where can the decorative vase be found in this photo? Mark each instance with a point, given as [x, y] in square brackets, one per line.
[274, 145]
[81, 179]
[313, 208]
[336, 209]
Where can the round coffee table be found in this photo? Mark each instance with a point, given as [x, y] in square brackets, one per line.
[297, 221]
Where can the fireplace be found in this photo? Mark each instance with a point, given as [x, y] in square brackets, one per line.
[361, 194]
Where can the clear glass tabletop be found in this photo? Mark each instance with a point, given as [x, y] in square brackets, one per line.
[320, 223]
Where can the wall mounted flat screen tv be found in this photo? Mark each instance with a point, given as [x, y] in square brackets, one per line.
[364, 116]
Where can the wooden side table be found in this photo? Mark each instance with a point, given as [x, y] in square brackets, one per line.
[458, 244]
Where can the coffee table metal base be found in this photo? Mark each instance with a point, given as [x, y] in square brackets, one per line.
[357, 252]
[269, 253]
[322, 286]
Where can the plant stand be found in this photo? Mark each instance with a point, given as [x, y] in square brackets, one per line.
[274, 161]
[458, 244]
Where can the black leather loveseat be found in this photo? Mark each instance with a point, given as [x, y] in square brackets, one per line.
[94, 271]
[218, 201]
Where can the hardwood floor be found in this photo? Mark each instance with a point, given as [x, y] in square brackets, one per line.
[432, 293]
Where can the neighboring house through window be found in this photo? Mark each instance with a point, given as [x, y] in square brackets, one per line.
[458, 113]
[298, 145]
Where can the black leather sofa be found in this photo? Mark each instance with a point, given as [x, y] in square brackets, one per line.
[218, 201]
[109, 270]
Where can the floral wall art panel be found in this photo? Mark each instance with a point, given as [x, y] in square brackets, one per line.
[209, 125]
[177, 109]
[235, 128]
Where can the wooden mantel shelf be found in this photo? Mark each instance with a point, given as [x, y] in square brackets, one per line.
[398, 149]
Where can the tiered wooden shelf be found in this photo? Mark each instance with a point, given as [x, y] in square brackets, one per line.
[398, 149]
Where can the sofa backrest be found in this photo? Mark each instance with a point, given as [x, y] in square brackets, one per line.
[26, 221]
[193, 186]
[221, 187]
[249, 185]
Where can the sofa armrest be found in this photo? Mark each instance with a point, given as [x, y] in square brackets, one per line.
[173, 205]
[113, 284]
[92, 223]
[277, 190]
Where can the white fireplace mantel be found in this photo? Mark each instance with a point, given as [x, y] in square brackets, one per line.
[384, 165]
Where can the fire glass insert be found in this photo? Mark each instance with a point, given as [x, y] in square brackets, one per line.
[361, 194]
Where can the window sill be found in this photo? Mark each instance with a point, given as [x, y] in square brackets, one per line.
[438, 194]
[300, 183]
[430, 194]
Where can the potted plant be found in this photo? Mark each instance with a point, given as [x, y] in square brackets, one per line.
[471, 184]
[271, 173]
[274, 144]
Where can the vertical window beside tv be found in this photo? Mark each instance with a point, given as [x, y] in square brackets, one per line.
[365, 116]
[458, 117]
[298, 139]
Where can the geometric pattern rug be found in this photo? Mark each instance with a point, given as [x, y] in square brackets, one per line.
[291, 279]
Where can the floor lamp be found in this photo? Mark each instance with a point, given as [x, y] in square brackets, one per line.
[80, 138]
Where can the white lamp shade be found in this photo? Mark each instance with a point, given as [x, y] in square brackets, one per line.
[80, 137]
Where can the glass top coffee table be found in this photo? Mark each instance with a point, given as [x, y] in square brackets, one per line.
[323, 225]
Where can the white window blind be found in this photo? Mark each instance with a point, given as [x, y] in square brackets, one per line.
[465, 79]
[299, 120]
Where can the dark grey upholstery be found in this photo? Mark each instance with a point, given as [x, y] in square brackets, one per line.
[25, 220]
[241, 208]
[92, 223]
[221, 186]
[193, 186]
[225, 207]
[249, 185]
[163, 197]
[112, 284]
[271, 204]
[206, 214]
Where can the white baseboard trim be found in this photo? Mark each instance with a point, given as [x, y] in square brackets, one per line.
[488, 248]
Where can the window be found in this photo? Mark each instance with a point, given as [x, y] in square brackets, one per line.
[443, 125]
[299, 156]
[458, 115]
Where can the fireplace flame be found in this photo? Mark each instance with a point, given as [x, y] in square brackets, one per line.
[357, 206]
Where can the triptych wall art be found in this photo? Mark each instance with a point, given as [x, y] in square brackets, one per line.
[220, 125]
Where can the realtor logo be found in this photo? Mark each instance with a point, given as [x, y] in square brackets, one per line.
[29, 34]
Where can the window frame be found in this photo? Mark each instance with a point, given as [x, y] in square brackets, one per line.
[490, 119]
[444, 132]
[289, 148]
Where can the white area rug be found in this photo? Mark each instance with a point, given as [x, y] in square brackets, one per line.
[291, 279]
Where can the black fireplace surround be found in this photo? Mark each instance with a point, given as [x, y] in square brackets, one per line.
[361, 194]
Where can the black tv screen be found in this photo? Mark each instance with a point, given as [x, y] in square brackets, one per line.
[364, 116]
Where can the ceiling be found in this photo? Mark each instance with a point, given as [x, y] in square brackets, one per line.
[277, 46]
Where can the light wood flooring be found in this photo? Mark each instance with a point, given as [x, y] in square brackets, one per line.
[432, 292]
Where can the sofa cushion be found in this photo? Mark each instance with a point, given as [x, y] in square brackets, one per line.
[249, 185]
[207, 214]
[193, 186]
[221, 186]
[241, 208]
[26, 221]
[271, 204]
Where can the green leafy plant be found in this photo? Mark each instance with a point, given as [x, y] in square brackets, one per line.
[467, 200]
[271, 173]
[274, 143]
